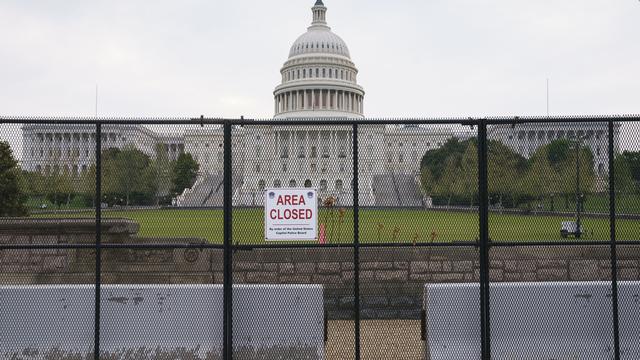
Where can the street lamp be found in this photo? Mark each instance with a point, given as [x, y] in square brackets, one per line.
[569, 227]
[579, 196]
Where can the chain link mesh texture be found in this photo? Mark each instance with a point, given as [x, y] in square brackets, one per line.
[397, 277]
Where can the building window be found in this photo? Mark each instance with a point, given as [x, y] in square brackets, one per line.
[292, 183]
[323, 185]
[307, 183]
[261, 185]
[314, 152]
[325, 151]
[277, 184]
[338, 185]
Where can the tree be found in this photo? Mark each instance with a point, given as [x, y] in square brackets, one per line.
[87, 184]
[447, 185]
[540, 177]
[505, 169]
[60, 188]
[160, 172]
[436, 159]
[185, 172]
[12, 196]
[126, 178]
[632, 158]
[624, 182]
[561, 155]
[467, 178]
[426, 179]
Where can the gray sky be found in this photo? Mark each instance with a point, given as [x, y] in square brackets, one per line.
[416, 57]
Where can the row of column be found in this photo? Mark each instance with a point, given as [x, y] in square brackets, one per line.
[288, 143]
[319, 100]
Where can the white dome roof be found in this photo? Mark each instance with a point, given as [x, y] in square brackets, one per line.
[319, 40]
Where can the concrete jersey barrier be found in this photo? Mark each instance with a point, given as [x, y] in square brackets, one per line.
[542, 320]
[161, 321]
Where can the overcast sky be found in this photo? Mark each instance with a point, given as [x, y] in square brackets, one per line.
[416, 57]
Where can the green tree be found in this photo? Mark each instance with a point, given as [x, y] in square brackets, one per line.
[426, 180]
[540, 177]
[561, 155]
[60, 188]
[87, 184]
[184, 174]
[160, 172]
[447, 185]
[467, 173]
[12, 195]
[505, 169]
[632, 158]
[126, 177]
[436, 159]
[625, 183]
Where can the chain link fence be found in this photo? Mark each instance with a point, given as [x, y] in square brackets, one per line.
[437, 238]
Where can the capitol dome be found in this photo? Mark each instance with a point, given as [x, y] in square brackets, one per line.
[319, 79]
[319, 40]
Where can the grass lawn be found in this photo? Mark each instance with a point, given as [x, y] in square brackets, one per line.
[393, 225]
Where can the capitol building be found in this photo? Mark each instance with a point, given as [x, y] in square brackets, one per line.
[319, 81]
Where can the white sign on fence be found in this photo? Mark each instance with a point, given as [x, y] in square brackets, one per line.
[290, 214]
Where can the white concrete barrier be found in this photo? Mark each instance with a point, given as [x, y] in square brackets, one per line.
[542, 321]
[161, 321]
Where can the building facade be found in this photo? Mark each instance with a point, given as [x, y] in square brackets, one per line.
[319, 80]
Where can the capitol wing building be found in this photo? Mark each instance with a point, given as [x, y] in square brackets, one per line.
[319, 81]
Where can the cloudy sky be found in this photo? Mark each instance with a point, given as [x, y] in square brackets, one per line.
[416, 57]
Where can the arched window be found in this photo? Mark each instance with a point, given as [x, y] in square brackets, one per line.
[261, 185]
[292, 183]
[277, 184]
[307, 183]
[338, 185]
[601, 168]
[323, 185]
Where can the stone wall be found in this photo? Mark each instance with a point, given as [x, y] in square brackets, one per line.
[392, 279]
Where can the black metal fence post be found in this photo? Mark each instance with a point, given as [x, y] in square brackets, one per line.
[356, 242]
[98, 248]
[227, 347]
[483, 198]
[614, 256]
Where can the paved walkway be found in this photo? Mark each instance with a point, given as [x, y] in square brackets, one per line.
[380, 339]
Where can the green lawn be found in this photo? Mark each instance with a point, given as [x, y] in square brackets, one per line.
[375, 225]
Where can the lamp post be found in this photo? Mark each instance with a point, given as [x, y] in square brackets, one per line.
[578, 232]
